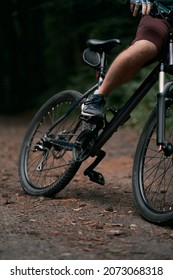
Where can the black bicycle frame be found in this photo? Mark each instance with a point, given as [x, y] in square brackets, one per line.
[126, 110]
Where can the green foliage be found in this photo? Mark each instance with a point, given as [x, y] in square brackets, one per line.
[41, 45]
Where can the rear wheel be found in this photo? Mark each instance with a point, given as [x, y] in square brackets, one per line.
[45, 168]
[153, 173]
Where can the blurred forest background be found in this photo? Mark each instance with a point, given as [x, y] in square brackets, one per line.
[41, 46]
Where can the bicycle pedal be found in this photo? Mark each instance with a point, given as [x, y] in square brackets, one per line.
[95, 176]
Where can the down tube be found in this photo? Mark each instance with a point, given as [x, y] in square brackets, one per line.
[126, 110]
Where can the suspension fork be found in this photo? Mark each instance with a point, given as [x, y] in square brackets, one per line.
[161, 109]
[162, 98]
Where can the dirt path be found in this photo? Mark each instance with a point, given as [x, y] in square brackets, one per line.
[85, 221]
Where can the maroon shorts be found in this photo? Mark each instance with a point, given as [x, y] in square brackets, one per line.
[154, 30]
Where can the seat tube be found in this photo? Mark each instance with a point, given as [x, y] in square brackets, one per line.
[102, 68]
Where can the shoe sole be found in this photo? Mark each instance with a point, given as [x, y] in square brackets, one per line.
[89, 114]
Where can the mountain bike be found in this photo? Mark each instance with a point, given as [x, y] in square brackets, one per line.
[59, 139]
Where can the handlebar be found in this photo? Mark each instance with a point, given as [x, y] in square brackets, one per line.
[160, 11]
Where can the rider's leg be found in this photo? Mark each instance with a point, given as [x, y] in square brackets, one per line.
[123, 68]
[127, 65]
[150, 40]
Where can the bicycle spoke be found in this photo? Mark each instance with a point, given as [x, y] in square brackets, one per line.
[157, 176]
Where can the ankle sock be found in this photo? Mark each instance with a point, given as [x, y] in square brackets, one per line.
[97, 92]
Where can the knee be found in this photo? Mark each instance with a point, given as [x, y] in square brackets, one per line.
[145, 48]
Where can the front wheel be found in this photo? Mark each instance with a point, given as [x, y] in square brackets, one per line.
[153, 173]
[45, 168]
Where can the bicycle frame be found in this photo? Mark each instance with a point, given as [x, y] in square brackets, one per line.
[124, 112]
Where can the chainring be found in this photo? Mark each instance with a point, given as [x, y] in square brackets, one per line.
[83, 145]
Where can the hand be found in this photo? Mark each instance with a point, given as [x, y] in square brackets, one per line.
[136, 4]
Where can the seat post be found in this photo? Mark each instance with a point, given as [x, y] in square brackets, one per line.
[102, 69]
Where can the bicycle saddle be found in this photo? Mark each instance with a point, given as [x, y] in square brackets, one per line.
[100, 45]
